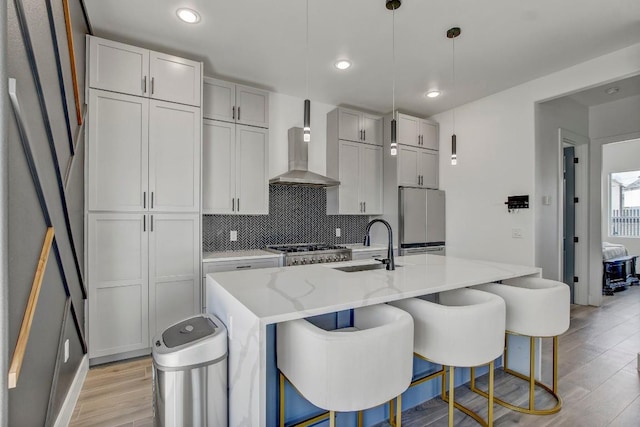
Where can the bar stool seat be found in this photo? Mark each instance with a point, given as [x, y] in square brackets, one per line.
[348, 370]
[536, 308]
[465, 329]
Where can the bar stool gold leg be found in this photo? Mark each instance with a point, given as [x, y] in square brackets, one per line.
[491, 384]
[451, 394]
[332, 419]
[359, 418]
[281, 400]
[392, 412]
[555, 364]
[532, 371]
[399, 413]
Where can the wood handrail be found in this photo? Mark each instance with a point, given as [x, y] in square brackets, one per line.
[29, 312]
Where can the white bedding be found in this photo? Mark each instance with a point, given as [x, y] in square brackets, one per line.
[613, 250]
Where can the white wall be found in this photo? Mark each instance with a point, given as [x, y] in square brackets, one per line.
[496, 158]
[619, 157]
[285, 112]
[620, 117]
[560, 113]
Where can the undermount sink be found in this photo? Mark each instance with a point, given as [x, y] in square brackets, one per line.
[363, 267]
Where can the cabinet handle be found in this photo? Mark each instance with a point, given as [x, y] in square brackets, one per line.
[152, 200]
[364, 135]
[243, 266]
[238, 113]
[144, 84]
[364, 206]
[238, 204]
[152, 84]
[152, 223]
[233, 112]
[233, 204]
[144, 223]
[144, 200]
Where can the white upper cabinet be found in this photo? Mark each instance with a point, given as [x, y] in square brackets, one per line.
[417, 167]
[174, 157]
[428, 168]
[235, 103]
[175, 79]
[356, 164]
[235, 169]
[117, 152]
[122, 68]
[357, 126]
[417, 132]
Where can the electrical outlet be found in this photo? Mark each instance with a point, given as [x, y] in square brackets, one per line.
[338, 232]
[516, 233]
[233, 235]
[66, 350]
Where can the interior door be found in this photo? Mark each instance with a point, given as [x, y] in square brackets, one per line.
[569, 219]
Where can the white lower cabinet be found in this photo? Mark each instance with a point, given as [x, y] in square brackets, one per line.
[143, 276]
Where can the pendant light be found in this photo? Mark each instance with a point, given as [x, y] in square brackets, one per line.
[392, 5]
[452, 33]
[306, 130]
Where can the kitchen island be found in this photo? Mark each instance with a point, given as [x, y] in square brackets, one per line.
[251, 302]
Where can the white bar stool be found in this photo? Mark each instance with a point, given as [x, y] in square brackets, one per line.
[349, 369]
[465, 329]
[536, 308]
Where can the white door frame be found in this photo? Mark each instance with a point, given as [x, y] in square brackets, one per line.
[581, 144]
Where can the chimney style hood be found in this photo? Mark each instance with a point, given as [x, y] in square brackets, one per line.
[298, 173]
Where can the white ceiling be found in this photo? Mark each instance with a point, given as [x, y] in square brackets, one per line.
[598, 95]
[262, 42]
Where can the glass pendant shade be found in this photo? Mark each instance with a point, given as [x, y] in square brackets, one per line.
[394, 143]
[306, 130]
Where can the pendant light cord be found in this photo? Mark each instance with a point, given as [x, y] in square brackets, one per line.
[393, 62]
[307, 50]
[453, 73]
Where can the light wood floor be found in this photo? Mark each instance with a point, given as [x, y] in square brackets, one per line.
[598, 380]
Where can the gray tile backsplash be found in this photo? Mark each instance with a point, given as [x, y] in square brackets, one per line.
[296, 215]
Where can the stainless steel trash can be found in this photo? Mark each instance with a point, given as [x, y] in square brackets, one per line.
[190, 374]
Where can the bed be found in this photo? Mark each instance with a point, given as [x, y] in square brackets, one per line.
[619, 268]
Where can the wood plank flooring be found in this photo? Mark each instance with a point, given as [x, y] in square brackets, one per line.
[598, 380]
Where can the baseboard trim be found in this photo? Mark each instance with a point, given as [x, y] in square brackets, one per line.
[69, 404]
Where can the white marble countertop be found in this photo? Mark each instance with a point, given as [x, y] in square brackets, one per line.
[275, 295]
[238, 255]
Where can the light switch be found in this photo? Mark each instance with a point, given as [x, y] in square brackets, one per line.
[233, 235]
[338, 232]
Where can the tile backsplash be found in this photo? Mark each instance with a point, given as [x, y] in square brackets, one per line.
[296, 215]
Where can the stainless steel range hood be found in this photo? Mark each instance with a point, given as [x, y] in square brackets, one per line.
[299, 173]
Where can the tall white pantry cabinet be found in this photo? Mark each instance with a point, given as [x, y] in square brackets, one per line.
[143, 195]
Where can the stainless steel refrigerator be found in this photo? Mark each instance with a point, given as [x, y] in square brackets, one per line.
[422, 221]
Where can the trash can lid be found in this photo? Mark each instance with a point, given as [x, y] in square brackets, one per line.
[187, 331]
[194, 341]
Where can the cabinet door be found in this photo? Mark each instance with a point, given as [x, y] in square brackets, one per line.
[252, 169]
[218, 167]
[174, 157]
[408, 127]
[429, 132]
[174, 269]
[428, 163]
[349, 126]
[218, 100]
[372, 126]
[371, 178]
[408, 166]
[252, 106]
[175, 79]
[349, 199]
[118, 67]
[117, 152]
[118, 283]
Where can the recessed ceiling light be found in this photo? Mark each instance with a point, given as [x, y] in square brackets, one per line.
[612, 90]
[432, 94]
[189, 16]
[343, 64]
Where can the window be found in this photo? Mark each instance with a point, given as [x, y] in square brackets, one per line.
[624, 204]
